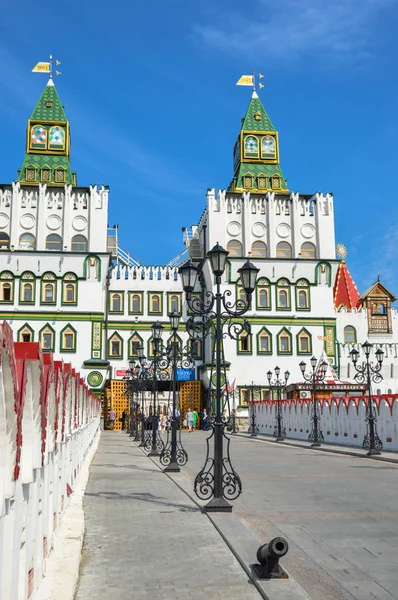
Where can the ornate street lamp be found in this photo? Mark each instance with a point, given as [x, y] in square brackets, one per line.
[366, 373]
[173, 455]
[316, 378]
[136, 382]
[132, 393]
[253, 428]
[217, 480]
[279, 385]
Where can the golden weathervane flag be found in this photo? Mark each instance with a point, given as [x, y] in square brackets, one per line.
[42, 67]
[245, 80]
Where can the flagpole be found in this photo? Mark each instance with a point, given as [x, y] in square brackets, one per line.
[51, 66]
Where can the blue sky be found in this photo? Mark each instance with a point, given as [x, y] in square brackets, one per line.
[149, 89]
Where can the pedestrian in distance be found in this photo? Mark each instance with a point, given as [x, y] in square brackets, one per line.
[204, 419]
[124, 417]
[189, 419]
[195, 419]
[112, 417]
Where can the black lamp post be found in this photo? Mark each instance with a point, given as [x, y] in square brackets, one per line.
[173, 455]
[279, 385]
[253, 429]
[316, 378]
[132, 393]
[136, 382]
[366, 373]
[217, 480]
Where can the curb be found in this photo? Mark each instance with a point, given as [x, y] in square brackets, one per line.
[288, 443]
[63, 563]
[292, 590]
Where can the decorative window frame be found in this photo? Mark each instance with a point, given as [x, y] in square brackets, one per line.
[27, 277]
[283, 257]
[27, 249]
[281, 285]
[51, 249]
[308, 257]
[278, 346]
[46, 168]
[47, 329]
[247, 176]
[269, 156]
[355, 332]
[238, 345]
[130, 301]
[59, 170]
[255, 256]
[69, 279]
[6, 277]
[303, 285]
[197, 356]
[67, 330]
[48, 278]
[328, 269]
[73, 241]
[150, 310]
[134, 337]
[97, 265]
[276, 181]
[30, 168]
[110, 296]
[169, 296]
[112, 338]
[251, 154]
[261, 286]
[265, 177]
[258, 336]
[308, 334]
[242, 392]
[241, 255]
[25, 329]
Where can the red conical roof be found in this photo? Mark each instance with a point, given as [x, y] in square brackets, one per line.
[345, 291]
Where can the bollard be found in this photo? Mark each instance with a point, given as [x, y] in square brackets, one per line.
[268, 556]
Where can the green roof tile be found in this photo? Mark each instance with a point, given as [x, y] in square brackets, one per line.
[260, 124]
[43, 112]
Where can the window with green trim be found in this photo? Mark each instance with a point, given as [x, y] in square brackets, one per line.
[115, 346]
[263, 294]
[134, 343]
[136, 303]
[155, 303]
[264, 342]
[283, 294]
[47, 339]
[244, 343]
[6, 287]
[68, 339]
[69, 289]
[174, 303]
[304, 342]
[302, 295]
[25, 334]
[284, 342]
[116, 302]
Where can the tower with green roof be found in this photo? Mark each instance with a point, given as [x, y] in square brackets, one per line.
[47, 158]
[256, 153]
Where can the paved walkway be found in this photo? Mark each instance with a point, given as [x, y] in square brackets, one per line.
[145, 539]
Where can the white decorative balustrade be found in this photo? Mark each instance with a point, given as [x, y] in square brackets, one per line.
[48, 422]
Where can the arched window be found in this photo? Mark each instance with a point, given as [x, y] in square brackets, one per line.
[259, 250]
[282, 299]
[350, 335]
[303, 342]
[307, 250]
[235, 248]
[195, 348]
[6, 292]
[174, 304]
[116, 303]
[27, 241]
[283, 250]
[302, 299]
[136, 303]
[4, 241]
[302, 295]
[155, 306]
[242, 297]
[49, 292]
[70, 292]
[79, 243]
[251, 145]
[68, 339]
[54, 242]
[263, 294]
[27, 292]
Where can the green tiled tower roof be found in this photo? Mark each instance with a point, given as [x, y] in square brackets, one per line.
[256, 153]
[47, 157]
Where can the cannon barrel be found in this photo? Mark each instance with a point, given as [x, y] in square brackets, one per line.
[268, 556]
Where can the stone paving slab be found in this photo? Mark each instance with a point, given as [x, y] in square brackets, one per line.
[145, 539]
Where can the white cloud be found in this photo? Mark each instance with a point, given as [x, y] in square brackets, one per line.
[289, 29]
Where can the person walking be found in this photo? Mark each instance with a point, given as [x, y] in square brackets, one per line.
[195, 419]
[204, 419]
[112, 417]
[124, 417]
[189, 419]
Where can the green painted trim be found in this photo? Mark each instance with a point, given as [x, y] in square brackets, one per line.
[279, 287]
[278, 351]
[317, 270]
[134, 334]
[86, 262]
[52, 349]
[245, 352]
[94, 323]
[45, 282]
[63, 293]
[130, 299]
[179, 296]
[20, 330]
[330, 349]
[149, 296]
[45, 316]
[22, 282]
[112, 293]
[262, 286]
[298, 351]
[112, 356]
[262, 352]
[299, 288]
[68, 350]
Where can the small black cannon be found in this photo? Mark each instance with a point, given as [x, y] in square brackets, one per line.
[268, 556]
